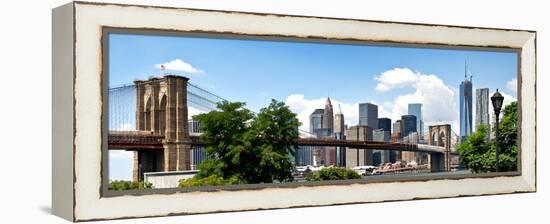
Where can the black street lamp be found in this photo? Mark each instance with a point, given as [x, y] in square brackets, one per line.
[497, 99]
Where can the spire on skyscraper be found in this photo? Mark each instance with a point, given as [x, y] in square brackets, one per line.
[328, 117]
[465, 70]
[339, 109]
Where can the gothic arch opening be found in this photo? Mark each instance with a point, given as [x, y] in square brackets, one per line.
[162, 115]
[442, 139]
[148, 114]
[434, 139]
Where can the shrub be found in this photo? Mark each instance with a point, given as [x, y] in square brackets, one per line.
[211, 180]
[121, 185]
[333, 173]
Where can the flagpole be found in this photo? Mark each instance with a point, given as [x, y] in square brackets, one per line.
[163, 69]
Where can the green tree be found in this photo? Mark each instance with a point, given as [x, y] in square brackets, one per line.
[479, 155]
[508, 138]
[333, 173]
[224, 136]
[246, 148]
[476, 153]
[273, 135]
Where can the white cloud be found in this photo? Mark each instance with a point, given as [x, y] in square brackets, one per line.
[512, 85]
[121, 154]
[395, 78]
[439, 101]
[180, 65]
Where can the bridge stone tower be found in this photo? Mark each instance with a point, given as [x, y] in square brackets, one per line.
[161, 109]
[440, 135]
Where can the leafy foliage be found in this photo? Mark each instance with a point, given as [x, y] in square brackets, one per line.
[508, 130]
[476, 152]
[333, 173]
[208, 181]
[246, 148]
[479, 155]
[121, 185]
[273, 136]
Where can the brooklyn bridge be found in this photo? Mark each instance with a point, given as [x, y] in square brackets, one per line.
[150, 118]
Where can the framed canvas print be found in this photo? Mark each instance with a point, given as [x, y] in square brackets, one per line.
[169, 111]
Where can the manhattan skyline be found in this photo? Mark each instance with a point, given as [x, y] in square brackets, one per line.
[303, 75]
[390, 77]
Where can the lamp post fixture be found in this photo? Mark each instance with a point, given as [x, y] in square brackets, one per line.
[496, 99]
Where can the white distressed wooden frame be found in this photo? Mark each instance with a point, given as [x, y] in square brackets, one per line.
[77, 110]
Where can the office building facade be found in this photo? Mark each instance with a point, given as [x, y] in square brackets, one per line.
[396, 137]
[316, 120]
[380, 157]
[396, 132]
[416, 110]
[304, 155]
[384, 123]
[340, 133]
[408, 124]
[358, 157]
[482, 108]
[328, 118]
[412, 138]
[465, 108]
[368, 115]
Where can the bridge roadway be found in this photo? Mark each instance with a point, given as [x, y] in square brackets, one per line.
[144, 140]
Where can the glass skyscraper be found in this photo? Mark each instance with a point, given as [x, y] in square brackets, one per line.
[416, 110]
[482, 107]
[465, 108]
[384, 123]
[408, 124]
[304, 155]
[380, 157]
[368, 115]
[316, 120]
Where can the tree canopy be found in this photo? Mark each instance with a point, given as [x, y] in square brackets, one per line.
[247, 148]
[479, 154]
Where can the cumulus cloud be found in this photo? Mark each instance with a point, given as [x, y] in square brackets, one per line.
[395, 78]
[179, 65]
[439, 101]
[512, 85]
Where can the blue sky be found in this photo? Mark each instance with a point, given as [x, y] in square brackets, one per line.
[278, 69]
[304, 74]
